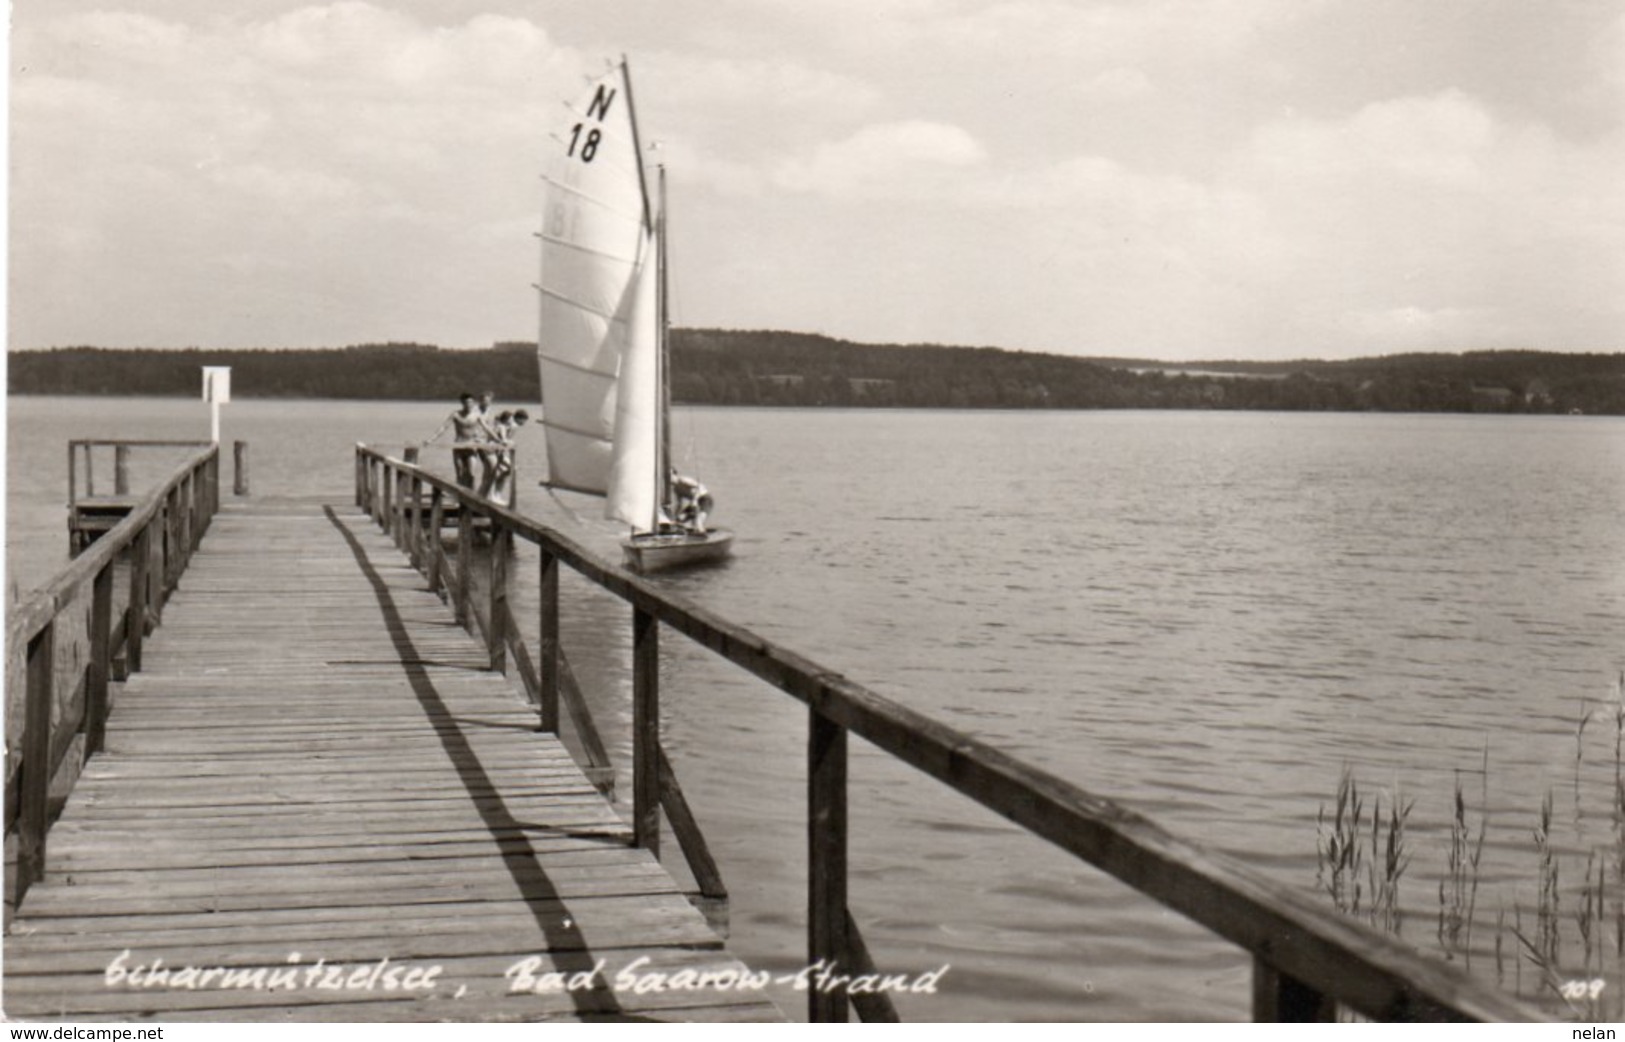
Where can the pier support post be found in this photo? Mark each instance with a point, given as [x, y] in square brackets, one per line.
[1282, 999]
[827, 941]
[239, 459]
[121, 470]
[646, 731]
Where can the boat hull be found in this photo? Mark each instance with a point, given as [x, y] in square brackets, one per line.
[660, 553]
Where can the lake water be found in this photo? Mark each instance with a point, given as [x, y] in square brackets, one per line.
[1205, 616]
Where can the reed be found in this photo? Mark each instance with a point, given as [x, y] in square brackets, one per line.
[1360, 867]
[1573, 940]
[1339, 846]
[1458, 890]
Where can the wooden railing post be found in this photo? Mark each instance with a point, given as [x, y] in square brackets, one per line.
[396, 501]
[200, 492]
[827, 945]
[1282, 999]
[153, 594]
[437, 515]
[135, 608]
[548, 654]
[465, 560]
[121, 470]
[177, 541]
[360, 478]
[414, 523]
[397, 528]
[35, 783]
[185, 500]
[73, 473]
[496, 632]
[166, 548]
[101, 653]
[646, 731]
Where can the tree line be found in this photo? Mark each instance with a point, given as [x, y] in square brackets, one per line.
[773, 368]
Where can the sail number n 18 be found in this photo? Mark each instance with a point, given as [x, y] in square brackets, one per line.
[588, 142]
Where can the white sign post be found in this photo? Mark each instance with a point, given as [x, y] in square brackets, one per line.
[216, 389]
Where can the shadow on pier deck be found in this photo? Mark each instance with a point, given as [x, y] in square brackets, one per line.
[316, 767]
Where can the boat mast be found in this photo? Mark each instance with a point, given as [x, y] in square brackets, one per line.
[657, 226]
[664, 495]
[637, 146]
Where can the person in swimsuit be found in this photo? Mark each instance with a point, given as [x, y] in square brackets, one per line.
[470, 428]
[506, 426]
[488, 433]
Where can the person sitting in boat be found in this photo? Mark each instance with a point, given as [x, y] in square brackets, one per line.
[471, 428]
[693, 502]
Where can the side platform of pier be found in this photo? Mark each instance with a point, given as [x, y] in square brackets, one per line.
[316, 801]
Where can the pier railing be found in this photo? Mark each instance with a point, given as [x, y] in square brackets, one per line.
[66, 643]
[1308, 961]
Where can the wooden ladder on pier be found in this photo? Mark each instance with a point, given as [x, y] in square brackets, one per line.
[316, 802]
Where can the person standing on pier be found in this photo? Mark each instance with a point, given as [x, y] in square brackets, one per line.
[470, 429]
[506, 426]
[488, 434]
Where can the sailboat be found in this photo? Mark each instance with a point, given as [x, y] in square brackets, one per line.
[604, 347]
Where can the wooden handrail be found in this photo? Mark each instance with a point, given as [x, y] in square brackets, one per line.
[157, 539]
[1307, 958]
[121, 459]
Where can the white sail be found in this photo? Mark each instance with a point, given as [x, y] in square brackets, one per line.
[594, 243]
[634, 478]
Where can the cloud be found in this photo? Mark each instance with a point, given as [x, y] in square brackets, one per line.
[1183, 176]
[1435, 221]
[1447, 139]
[314, 149]
[913, 159]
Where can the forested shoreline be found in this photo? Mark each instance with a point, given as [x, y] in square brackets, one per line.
[765, 368]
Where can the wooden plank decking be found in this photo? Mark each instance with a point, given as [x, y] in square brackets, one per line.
[314, 764]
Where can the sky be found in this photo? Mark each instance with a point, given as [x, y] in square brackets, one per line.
[1169, 179]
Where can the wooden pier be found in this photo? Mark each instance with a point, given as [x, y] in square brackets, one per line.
[329, 770]
[317, 796]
